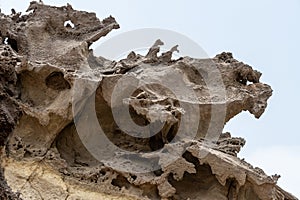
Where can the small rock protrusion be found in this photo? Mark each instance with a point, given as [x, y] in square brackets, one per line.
[69, 7]
[13, 11]
[131, 56]
[167, 56]
[226, 57]
[153, 51]
[275, 177]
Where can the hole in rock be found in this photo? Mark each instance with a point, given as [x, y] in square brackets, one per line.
[143, 98]
[5, 41]
[158, 172]
[69, 24]
[120, 182]
[72, 150]
[133, 176]
[57, 81]
[150, 191]
[12, 42]
[198, 186]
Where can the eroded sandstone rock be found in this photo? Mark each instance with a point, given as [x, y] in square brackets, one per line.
[47, 69]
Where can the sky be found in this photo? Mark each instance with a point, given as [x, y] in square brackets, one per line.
[264, 34]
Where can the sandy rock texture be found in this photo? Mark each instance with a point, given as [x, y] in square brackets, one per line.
[50, 83]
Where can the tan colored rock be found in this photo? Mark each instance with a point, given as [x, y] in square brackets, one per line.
[49, 73]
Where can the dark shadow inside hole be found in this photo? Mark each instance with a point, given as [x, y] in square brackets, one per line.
[57, 81]
[12, 42]
[120, 182]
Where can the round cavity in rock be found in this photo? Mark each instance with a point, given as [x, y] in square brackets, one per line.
[57, 81]
[69, 24]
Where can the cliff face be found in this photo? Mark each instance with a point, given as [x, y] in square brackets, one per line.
[76, 126]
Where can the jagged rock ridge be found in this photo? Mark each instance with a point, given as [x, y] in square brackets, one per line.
[43, 157]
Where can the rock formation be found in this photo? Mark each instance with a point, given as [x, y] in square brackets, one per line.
[48, 79]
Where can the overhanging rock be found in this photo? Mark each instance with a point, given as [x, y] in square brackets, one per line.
[48, 69]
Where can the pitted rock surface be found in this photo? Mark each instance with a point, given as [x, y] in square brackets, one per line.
[45, 53]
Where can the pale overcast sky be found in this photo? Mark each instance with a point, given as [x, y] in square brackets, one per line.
[264, 34]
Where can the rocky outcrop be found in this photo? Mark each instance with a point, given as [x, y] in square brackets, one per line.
[161, 119]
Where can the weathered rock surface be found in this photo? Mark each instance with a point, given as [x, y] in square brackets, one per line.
[47, 68]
